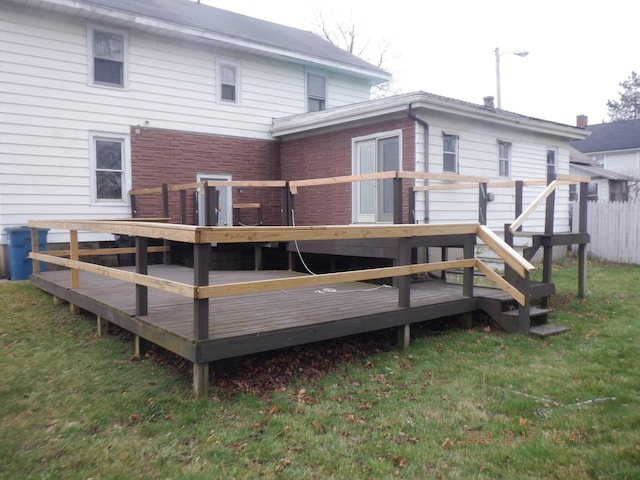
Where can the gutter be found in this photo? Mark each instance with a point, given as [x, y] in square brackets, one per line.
[425, 125]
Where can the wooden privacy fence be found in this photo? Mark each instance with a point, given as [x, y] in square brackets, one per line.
[615, 231]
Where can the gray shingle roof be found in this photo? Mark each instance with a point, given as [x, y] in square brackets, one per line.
[241, 27]
[607, 137]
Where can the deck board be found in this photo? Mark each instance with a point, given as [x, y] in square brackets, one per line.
[246, 317]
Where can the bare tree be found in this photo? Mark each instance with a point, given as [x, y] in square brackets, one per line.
[349, 35]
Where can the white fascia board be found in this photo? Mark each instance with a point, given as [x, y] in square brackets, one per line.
[213, 37]
[422, 105]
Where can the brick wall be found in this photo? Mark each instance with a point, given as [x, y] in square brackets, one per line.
[173, 157]
[329, 155]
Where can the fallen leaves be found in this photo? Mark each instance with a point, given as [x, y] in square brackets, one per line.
[400, 461]
[447, 444]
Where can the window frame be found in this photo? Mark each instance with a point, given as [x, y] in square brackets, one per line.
[309, 97]
[91, 31]
[125, 180]
[456, 153]
[221, 64]
[502, 160]
[553, 171]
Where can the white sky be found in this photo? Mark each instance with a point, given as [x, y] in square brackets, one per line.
[579, 51]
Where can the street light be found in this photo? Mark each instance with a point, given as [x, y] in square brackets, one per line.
[523, 53]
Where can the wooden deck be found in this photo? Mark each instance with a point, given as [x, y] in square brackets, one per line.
[250, 323]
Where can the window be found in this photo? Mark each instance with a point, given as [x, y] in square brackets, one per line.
[109, 167]
[373, 199]
[551, 161]
[449, 153]
[316, 92]
[228, 83]
[592, 192]
[107, 57]
[504, 159]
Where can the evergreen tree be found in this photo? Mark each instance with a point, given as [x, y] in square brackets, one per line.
[628, 107]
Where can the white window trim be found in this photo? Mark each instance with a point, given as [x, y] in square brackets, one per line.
[219, 64]
[556, 158]
[457, 135]
[500, 140]
[355, 165]
[126, 167]
[91, 28]
[306, 87]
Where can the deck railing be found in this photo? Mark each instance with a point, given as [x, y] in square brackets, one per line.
[407, 236]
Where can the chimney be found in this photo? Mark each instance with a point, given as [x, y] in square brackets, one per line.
[488, 102]
[582, 121]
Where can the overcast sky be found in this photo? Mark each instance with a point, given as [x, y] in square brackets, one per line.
[579, 51]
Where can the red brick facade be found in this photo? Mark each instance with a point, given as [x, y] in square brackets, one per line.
[330, 155]
[174, 157]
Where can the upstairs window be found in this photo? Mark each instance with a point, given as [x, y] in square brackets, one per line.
[449, 153]
[316, 92]
[108, 53]
[228, 83]
[504, 159]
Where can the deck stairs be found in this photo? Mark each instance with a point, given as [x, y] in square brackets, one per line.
[504, 310]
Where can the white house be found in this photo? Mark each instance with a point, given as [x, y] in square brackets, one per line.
[101, 96]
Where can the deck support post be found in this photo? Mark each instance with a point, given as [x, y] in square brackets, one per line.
[547, 253]
[467, 278]
[200, 379]
[582, 247]
[103, 326]
[140, 346]
[404, 336]
[201, 259]
[74, 254]
[142, 261]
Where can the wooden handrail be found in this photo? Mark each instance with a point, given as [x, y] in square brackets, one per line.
[505, 251]
[531, 208]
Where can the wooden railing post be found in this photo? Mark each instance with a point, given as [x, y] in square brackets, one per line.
[74, 254]
[404, 290]
[547, 258]
[165, 200]
[519, 199]
[134, 210]
[142, 267]
[483, 198]
[412, 206]
[35, 247]
[397, 201]
[201, 258]
[183, 206]
[469, 251]
[284, 199]
[582, 247]
[142, 291]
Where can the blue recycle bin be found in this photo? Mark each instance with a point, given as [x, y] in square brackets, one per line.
[20, 266]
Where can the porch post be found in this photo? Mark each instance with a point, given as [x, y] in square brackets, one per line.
[467, 277]
[404, 290]
[582, 247]
[201, 258]
[397, 201]
[142, 291]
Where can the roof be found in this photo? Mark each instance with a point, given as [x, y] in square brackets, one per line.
[588, 166]
[186, 18]
[613, 136]
[421, 104]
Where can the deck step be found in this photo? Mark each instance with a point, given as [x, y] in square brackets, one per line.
[533, 312]
[547, 330]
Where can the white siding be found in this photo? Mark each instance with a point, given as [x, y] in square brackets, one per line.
[48, 108]
[628, 163]
[478, 156]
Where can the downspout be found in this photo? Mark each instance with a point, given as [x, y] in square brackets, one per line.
[425, 125]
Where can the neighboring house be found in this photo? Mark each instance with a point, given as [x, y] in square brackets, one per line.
[605, 185]
[101, 96]
[614, 146]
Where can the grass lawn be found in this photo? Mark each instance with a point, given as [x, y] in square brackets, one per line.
[457, 404]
